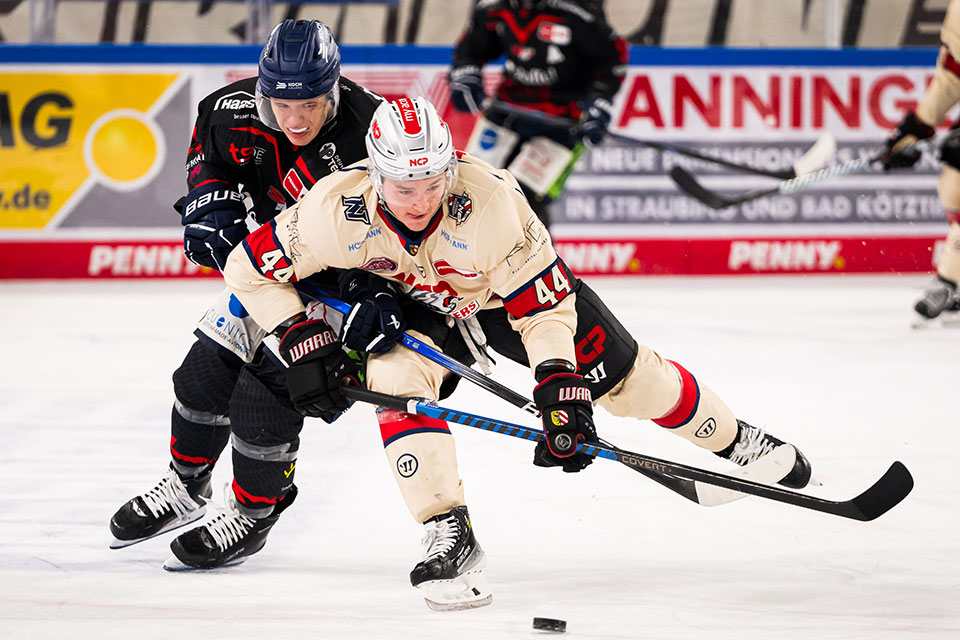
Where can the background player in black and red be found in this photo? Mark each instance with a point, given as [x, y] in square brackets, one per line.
[258, 145]
[562, 60]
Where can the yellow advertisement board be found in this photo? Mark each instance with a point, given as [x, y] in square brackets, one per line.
[61, 132]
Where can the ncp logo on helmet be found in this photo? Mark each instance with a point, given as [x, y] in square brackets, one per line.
[411, 159]
[298, 88]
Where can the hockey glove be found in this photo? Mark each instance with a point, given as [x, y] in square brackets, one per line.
[597, 112]
[318, 368]
[375, 322]
[565, 405]
[898, 150]
[214, 218]
[466, 89]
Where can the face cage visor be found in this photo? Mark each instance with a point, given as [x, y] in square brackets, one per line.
[329, 101]
[377, 176]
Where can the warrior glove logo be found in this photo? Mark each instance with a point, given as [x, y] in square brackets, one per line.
[311, 344]
[568, 394]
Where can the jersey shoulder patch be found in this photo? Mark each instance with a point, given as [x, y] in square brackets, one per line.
[265, 252]
[542, 292]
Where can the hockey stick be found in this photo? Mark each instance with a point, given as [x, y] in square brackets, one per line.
[885, 493]
[770, 468]
[689, 184]
[813, 159]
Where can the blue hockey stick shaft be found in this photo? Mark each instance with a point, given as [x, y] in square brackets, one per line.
[882, 496]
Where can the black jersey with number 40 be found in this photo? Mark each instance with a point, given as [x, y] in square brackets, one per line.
[230, 144]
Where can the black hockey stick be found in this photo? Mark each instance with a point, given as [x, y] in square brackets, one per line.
[689, 184]
[772, 467]
[885, 493]
[814, 158]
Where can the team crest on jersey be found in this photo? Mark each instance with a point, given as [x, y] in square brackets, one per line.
[380, 264]
[355, 209]
[460, 207]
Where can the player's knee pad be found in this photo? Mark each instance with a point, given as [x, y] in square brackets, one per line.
[196, 438]
[422, 453]
[204, 381]
[699, 415]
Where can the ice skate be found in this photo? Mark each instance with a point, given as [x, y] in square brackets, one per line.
[753, 443]
[940, 301]
[226, 540]
[451, 573]
[174, 502]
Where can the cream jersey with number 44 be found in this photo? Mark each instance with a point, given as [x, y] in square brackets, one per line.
[483, 247]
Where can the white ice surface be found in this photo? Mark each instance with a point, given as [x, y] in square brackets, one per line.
[828, 364]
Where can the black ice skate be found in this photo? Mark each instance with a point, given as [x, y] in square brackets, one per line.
[941, 295]
[226, 540]
[753, 443]
[174, 502]
[451, 573]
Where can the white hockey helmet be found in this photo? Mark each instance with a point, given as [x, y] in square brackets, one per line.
[407, 140]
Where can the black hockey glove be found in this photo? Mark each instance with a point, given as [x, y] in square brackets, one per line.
[214, 218]
[567, 412]
[466, 89]
[898, 151]
[375, 322]
[318, 367]
[597, 112]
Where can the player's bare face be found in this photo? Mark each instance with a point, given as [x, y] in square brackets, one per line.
[301, 120]
[414, 202]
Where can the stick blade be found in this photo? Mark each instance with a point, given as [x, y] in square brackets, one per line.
[689, 185]
[817, 156]
[886, 493]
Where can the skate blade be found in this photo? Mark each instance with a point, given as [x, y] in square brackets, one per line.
[769, 469]
[946, 320]
[193, 516]
[174, 564]
[468, 591]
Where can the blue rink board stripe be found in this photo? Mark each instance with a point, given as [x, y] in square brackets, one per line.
[406, 55]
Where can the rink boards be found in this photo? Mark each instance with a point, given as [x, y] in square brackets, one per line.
[92, 143]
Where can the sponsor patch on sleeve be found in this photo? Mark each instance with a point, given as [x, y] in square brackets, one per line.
[542, 292]
[267, 254]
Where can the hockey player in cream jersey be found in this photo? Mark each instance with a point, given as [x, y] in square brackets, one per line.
[426, 234]
[942, 295]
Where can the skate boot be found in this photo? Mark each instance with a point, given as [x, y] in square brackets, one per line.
[752, 443]
[451, 573]
[174, 502]
[941, 295]
[226, 540]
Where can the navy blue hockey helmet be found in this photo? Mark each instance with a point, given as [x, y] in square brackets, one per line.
[300, 61]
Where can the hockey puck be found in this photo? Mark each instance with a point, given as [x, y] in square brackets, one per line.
[550, 624]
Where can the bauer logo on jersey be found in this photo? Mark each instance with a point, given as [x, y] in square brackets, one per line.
[559, 417]
[267, 254]
[555, 33]
[444, 269]
[235, 101]
[380, 264]
[294, 185]
[460, 207]
[355, 209]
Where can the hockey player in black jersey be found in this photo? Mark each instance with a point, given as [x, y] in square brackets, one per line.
[264, 140]
[563, 60]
